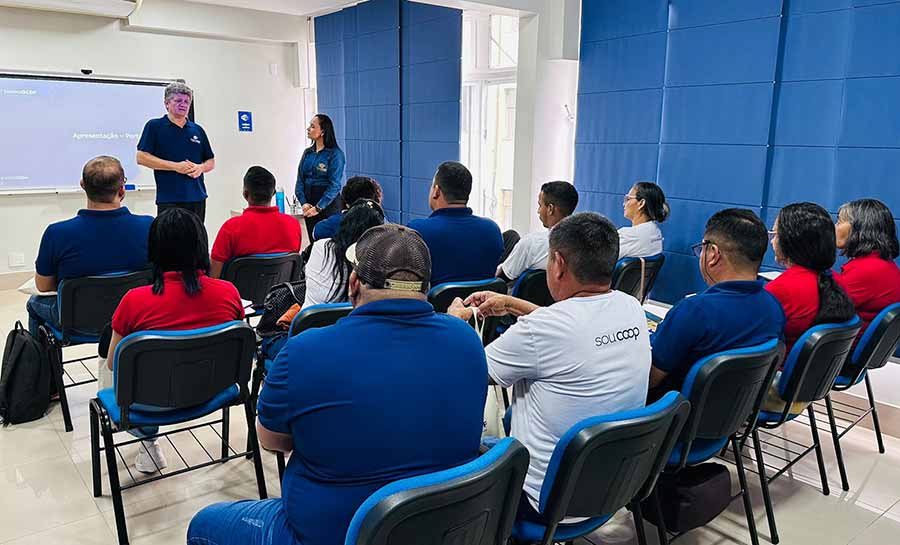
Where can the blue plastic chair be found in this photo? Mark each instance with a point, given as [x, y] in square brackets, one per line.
[164, 378]
[627, 276]
[808, 375]
[86, 307]
[442, 295]
[531, 286]
[254, 275]
[602, 464]
[474, 503]
[726, 390]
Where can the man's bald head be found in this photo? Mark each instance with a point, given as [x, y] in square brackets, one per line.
[102, 179]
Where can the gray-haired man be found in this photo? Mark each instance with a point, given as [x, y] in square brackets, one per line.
[178, 151]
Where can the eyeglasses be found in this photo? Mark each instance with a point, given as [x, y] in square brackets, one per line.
[627, 198]
[697, 249]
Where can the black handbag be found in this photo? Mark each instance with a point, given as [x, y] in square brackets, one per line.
[280, 298]
[692, 497]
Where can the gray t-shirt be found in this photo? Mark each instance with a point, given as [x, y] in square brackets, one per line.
[578, 358]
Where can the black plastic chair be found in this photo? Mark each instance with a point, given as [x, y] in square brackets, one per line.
[532, 286]
[636, 275]
[725, 390]
[254, 275]
[442, 295]
[473, 504]
[602, 464]
[808, 375]
[873, 351]
[86, 307]
[309, 318]
[182, 375]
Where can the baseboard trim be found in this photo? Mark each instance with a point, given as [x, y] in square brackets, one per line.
[11, 281]
[888, 415]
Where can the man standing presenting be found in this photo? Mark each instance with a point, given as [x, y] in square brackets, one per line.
[178, 151]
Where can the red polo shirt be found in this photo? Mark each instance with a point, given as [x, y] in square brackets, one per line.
[872, 283]
[797, 289]
[174, 310]
[259, 230]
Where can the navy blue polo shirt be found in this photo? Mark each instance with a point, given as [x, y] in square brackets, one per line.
[166, 140]
[328, 227]
[463, 246]
[320, 176]
[406, 397]
[94, 242]
[725, 316]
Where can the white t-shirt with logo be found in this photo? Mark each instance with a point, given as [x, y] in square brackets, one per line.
[578, 358]
[529, 253]
[641, 240]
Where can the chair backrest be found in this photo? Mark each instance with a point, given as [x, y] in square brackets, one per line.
[254, 275]
[473, 504]
[87, 304]
[319, 316]
[603, 463]
[627, 275]
[532, 286]
[726, 389]
[879, 342]
[442, 295]
[179, 369]
[815, 361]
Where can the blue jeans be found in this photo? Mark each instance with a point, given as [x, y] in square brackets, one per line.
[42, 309]
[246, 522]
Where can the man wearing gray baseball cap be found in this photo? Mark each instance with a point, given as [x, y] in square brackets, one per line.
[391, 391]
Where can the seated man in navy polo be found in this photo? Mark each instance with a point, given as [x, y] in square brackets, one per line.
[734, 312]
[391, 391]
[178, 151]
[463, 246]
[104, 237]
[356, 189]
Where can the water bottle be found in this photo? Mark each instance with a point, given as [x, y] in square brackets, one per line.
[279, 199]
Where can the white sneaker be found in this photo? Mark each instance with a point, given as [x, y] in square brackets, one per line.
[152, 462]
[618, 531]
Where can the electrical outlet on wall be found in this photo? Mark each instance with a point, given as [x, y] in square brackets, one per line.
[16, 259]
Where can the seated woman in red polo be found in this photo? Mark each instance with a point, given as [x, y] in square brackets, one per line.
[181, 297]
[866, 233]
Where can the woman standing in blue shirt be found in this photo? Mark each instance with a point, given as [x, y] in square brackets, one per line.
[320, 173]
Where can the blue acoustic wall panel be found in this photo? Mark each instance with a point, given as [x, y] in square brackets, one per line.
[623, 54]
[431, 81]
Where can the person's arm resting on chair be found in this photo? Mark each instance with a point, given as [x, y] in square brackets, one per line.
[44, 283]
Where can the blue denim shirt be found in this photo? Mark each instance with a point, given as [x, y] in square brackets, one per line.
[320, 171]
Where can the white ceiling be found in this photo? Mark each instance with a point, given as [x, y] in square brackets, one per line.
[289, 7]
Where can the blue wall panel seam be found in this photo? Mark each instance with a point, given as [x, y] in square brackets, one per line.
[708, 25]
[622, 37]
[776, 99]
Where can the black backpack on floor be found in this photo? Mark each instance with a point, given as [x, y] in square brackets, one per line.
[25, 378]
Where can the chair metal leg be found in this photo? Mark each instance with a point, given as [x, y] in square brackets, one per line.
[745, 492]
[254, 445]
[764, 484]
[660, 521]
[845, 484]
[255, 384]
[95, 451]
[279, 459]
[56, 358]
[875, 422]
[115, 487]
[226, 418]
[818, 446]
[638, 522]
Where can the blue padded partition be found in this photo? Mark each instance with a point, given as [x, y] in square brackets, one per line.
[763, 103]
[430, 89]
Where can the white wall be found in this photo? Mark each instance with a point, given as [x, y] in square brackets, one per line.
[227, 75]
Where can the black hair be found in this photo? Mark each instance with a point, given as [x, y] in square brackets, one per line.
[455, 182]
[178, 243]
[103, 177]
[260, 184]
[360, 187]
[327, 127]
[655, 205]
[362, 216]
[806, 238]
[590, 245]
[872, 229]
[562, 195]
[740, 233]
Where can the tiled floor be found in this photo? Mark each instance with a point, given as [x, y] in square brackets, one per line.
[45, 488]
